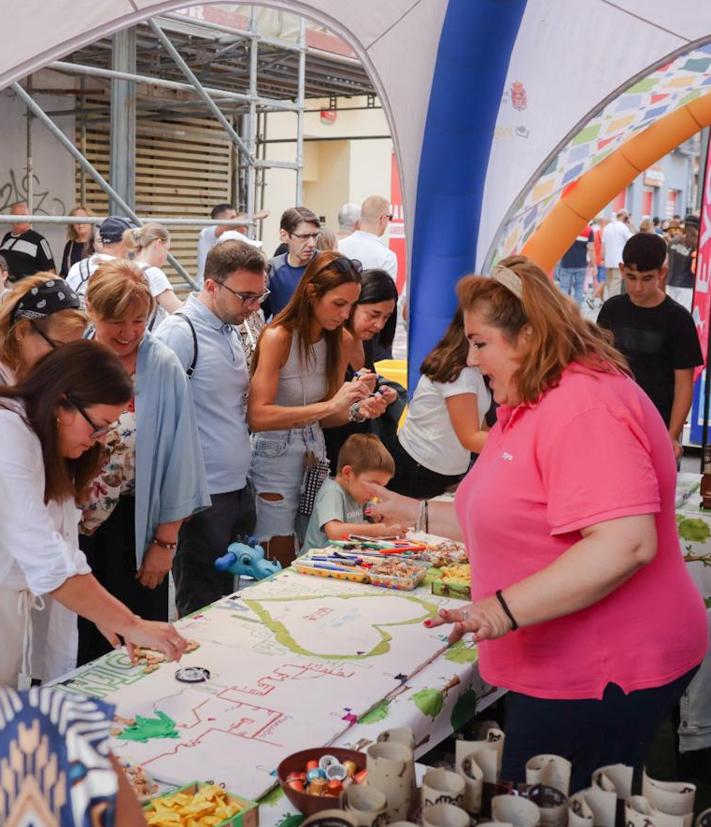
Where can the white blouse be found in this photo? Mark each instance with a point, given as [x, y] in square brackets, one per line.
[39, 546]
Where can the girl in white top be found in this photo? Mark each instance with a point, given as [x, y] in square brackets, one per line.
[51, 424]
[151, 245]
[445, 421]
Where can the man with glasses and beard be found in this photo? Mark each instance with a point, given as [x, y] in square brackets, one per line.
[299, 229]
[204, 337]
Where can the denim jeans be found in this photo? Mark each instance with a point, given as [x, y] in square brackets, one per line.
[277, 472]
[572, 282]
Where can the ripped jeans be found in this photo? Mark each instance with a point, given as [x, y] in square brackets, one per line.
[277, 472]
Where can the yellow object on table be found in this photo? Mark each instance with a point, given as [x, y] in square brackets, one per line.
[201, 805]
[393, 369]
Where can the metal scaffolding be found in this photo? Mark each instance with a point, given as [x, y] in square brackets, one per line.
[264, 74]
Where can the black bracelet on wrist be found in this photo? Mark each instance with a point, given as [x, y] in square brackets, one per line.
[507, 611]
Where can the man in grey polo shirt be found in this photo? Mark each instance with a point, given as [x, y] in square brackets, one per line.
[215, 360]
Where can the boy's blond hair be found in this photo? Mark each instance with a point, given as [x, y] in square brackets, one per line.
[365, 452]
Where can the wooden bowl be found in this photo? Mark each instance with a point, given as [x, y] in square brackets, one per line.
[310, 804]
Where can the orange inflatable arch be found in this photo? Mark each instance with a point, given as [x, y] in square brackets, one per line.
[599, 185]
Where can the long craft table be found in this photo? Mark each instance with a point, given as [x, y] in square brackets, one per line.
[694, 528]
[295, 661]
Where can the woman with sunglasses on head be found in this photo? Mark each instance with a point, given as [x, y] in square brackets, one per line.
[51, 423]
[40, 313]
[297, 386]
[154, 476]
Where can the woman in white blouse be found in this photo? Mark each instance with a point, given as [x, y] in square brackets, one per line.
[51, 424]
[445, 420]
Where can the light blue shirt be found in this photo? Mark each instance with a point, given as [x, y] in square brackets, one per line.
[170, 471]
[219, 387]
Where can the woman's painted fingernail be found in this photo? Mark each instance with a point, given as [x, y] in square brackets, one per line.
[428, 623]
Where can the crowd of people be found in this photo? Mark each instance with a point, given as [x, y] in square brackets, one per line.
[176, 426]
[589, 270]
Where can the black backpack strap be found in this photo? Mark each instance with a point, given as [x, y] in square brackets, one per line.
[189, 372]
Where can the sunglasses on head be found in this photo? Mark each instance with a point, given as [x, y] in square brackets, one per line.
[345, 265]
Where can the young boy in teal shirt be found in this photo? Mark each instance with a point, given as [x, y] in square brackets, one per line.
[338, 510]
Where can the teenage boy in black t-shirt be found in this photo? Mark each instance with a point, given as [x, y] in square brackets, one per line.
[655, 333]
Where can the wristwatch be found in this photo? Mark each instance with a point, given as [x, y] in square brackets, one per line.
[354, 414]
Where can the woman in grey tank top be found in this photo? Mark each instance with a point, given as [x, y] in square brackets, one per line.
[297, 385]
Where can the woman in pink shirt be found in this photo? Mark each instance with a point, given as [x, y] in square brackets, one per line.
[582, 603]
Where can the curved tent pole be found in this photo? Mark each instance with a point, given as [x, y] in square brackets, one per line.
[599, 185]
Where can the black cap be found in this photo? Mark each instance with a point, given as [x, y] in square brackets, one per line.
[112, 229]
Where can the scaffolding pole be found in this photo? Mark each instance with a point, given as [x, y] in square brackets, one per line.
[7, 218]
[113, 74]
[28, 155]
[251, 171]
[300, 96]
[39, 113]
[198, 87]
[123, 119]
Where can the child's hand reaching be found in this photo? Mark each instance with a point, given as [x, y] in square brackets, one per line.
[392, 529]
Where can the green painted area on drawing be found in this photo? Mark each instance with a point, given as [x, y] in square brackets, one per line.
[285, 637]
[462, 652]
[464, 710]
[377, 714]
[271, 798]
[429, 701]
[162, 726]
[693, 529]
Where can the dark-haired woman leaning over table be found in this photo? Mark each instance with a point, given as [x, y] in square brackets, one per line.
[582, 603]
[52, 424]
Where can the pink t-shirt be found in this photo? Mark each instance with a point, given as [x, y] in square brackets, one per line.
[593, 448]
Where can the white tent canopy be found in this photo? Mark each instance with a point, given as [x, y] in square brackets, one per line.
[431, 64]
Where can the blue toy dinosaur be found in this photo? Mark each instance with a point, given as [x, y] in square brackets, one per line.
[247, 560]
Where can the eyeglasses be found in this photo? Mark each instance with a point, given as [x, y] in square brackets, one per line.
[305, 236]
[388, 215]
[38, 330]
[97, 431]
[248, 298]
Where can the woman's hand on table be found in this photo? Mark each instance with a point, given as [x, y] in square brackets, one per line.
[156, 564]
[485, 619]
[389, 507]
[163, 637]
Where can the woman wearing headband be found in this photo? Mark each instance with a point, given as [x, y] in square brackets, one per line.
[40, 313]
[582, 603]
[52, 423]
[297, 386]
